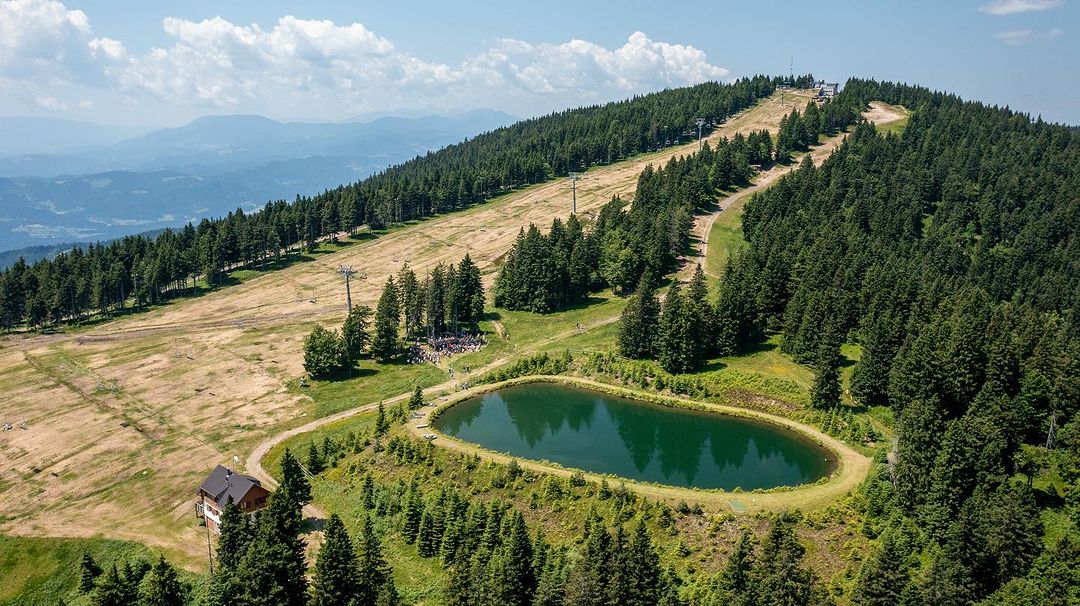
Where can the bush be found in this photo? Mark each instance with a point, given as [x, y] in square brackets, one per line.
[324, 353]
[539, 364]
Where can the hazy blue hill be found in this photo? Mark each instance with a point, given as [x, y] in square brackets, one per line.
[26, 135]
[206, 168]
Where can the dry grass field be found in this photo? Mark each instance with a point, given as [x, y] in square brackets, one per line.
[124, 419]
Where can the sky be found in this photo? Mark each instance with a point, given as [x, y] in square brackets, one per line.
[163, 63]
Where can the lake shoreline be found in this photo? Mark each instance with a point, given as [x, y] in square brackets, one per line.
[851, 466]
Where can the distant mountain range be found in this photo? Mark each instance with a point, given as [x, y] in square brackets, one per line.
[86, 191]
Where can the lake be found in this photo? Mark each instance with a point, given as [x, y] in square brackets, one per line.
[602, 433]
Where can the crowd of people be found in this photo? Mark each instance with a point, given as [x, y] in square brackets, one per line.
[435, 349]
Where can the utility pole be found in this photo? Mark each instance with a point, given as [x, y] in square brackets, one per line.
[700, 122]
[209, 551]
[347, 272]
[573, 188]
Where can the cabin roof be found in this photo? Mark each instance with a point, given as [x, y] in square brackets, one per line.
[224, 483]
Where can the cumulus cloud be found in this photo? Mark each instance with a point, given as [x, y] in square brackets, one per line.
[321, 68]
[41, 37]
[582, 66]
[1012, 7]
[217, 63]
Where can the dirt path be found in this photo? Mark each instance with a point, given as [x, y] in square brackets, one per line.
[254, 465]
[126, 417]
[878, 113]
[851, 468]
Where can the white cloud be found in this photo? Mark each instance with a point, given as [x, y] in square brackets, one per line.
[316, 68]
[1012, 7]
[1022, 36]
[1015, 37]
[107, 48]
[40, 37]
[50, 103]
[583, 67]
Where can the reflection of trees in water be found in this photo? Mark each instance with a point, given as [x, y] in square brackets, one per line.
[464, 413]
[743, 452]
[637, 434]
[677, 440]
[536, 413]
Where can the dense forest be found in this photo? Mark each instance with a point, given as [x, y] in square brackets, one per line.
[543, 273]
[141, 270]
[491, 555]
[951, 255]
[947, 257]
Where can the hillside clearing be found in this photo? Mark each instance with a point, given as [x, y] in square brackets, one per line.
[124, 418]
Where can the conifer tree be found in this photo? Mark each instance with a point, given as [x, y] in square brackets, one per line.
[619, 585]
[273, 569]
[699, 317]
[519, 576]
[376, 585]
[336, 580]
[640, 322]
[382, 424]
[416, 401]
[427, 539]
[779, 577]
[315, 462]
[468, 295]
[162, 587]
[411, 302]
[736, 575]
[414, 511]
[88, 573]
[112, 590]
[234, 536]
[825, 392]
[884, 577]
[458, 588]
[551, 587]
[294, 482]
[643, 569]
[588, 585]
[355, 332]
[385, 344]
[674, 347]
[435, 300]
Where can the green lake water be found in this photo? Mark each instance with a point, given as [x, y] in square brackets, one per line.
[602, 433]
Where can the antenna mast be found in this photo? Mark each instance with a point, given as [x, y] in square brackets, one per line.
[573, 188]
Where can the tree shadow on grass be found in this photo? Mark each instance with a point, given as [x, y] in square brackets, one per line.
[758, 347]
[345, 375]
[712, 366]
[583, 304]
[312, 525]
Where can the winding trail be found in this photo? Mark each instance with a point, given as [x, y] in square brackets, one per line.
[854, 463]
[254, 465]
[852, 466]
[878, 113]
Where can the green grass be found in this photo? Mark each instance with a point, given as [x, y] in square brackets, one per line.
[726, 237]
[373, 382]
[41, 572]
[897, 127]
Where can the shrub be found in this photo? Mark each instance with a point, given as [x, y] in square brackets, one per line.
[324, 353]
